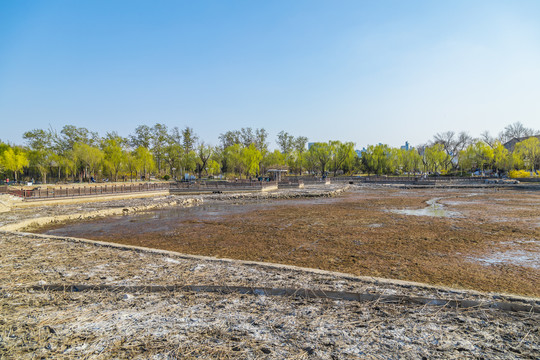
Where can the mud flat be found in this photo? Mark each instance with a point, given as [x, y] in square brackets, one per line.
[438, 236]
[71, 298]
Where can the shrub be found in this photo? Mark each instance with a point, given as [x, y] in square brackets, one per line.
[516, 174]
[166, 177]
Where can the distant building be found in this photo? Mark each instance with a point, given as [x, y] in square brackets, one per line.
[406, 147]
[360, 152]
[510, 145]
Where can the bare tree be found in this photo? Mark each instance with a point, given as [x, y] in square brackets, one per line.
[452, 144]
[515, 130]
[285, 142]
[463, 141]
[229, 138]
[487, 138]
[204, 152]
[247, 136]
[261, 142]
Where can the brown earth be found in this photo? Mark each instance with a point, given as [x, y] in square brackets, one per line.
[359, 235]
[112, 320]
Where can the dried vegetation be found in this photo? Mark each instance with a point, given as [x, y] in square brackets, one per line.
[113, 322]
[358, 234]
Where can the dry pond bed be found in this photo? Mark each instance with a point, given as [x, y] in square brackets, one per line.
[469, 238]
[119, 316]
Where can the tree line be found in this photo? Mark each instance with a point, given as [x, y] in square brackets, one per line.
[78, 154]
[458, 153]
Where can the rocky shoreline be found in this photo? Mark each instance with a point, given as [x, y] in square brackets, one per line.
[41, 213]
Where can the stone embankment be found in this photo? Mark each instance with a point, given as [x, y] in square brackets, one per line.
[61, 217]
[41, 214]
[308, 191]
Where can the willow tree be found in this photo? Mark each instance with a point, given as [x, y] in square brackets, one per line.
[90, 157]
[341, 154]
[409, 160]
[477, 155]
[14, 159]
[529, 152]
[321, 154]
[501, 156]
[213, 167]
[144, 161]
[233, 159]
[43, 160]
[377, 159]
[114, 156]
[275, 159]
[435, 157]
[251, 158]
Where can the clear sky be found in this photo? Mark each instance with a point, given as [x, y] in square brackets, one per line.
[361, 71]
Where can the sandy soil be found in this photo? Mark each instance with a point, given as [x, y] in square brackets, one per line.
[117, 321]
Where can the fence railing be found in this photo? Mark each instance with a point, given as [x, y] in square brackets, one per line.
[419, 179]
[407, 179]
[291, 184]
[75, 191]
[308, 180]
[222, 185]
[531, 180]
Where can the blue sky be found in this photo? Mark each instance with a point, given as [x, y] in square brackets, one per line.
[361, 71]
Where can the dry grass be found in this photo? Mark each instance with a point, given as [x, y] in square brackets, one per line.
[358, 235]
[132, 324]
